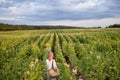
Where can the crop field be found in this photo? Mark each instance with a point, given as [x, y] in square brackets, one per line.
[94, 53]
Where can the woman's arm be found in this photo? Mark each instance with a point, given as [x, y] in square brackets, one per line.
[54, 64]
[48, 65]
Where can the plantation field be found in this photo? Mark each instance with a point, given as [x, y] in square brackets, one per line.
[95, 53]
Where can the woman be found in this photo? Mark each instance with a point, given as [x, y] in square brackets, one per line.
[49, 62]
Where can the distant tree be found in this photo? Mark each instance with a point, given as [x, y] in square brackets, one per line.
[99, 27]
[96, 27]
[114, 26]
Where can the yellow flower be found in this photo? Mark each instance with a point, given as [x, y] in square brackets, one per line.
[98, 57]
[28, 72]
[31, 64]
[36, 61]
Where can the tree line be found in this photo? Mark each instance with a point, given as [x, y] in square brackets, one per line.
[114, 26]
[10, 27]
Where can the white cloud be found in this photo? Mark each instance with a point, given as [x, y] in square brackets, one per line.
[73, 5]
[28, 8]
[11, 18]
[67, 5]
[67, 12]
[5, 1]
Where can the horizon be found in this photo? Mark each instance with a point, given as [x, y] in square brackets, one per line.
[78, 13]
[27, 25]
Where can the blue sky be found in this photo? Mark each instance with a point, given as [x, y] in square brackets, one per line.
[83, 13]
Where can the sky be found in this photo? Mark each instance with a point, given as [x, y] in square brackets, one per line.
[80, 13]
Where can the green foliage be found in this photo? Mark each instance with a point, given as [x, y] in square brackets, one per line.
[95, 52]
